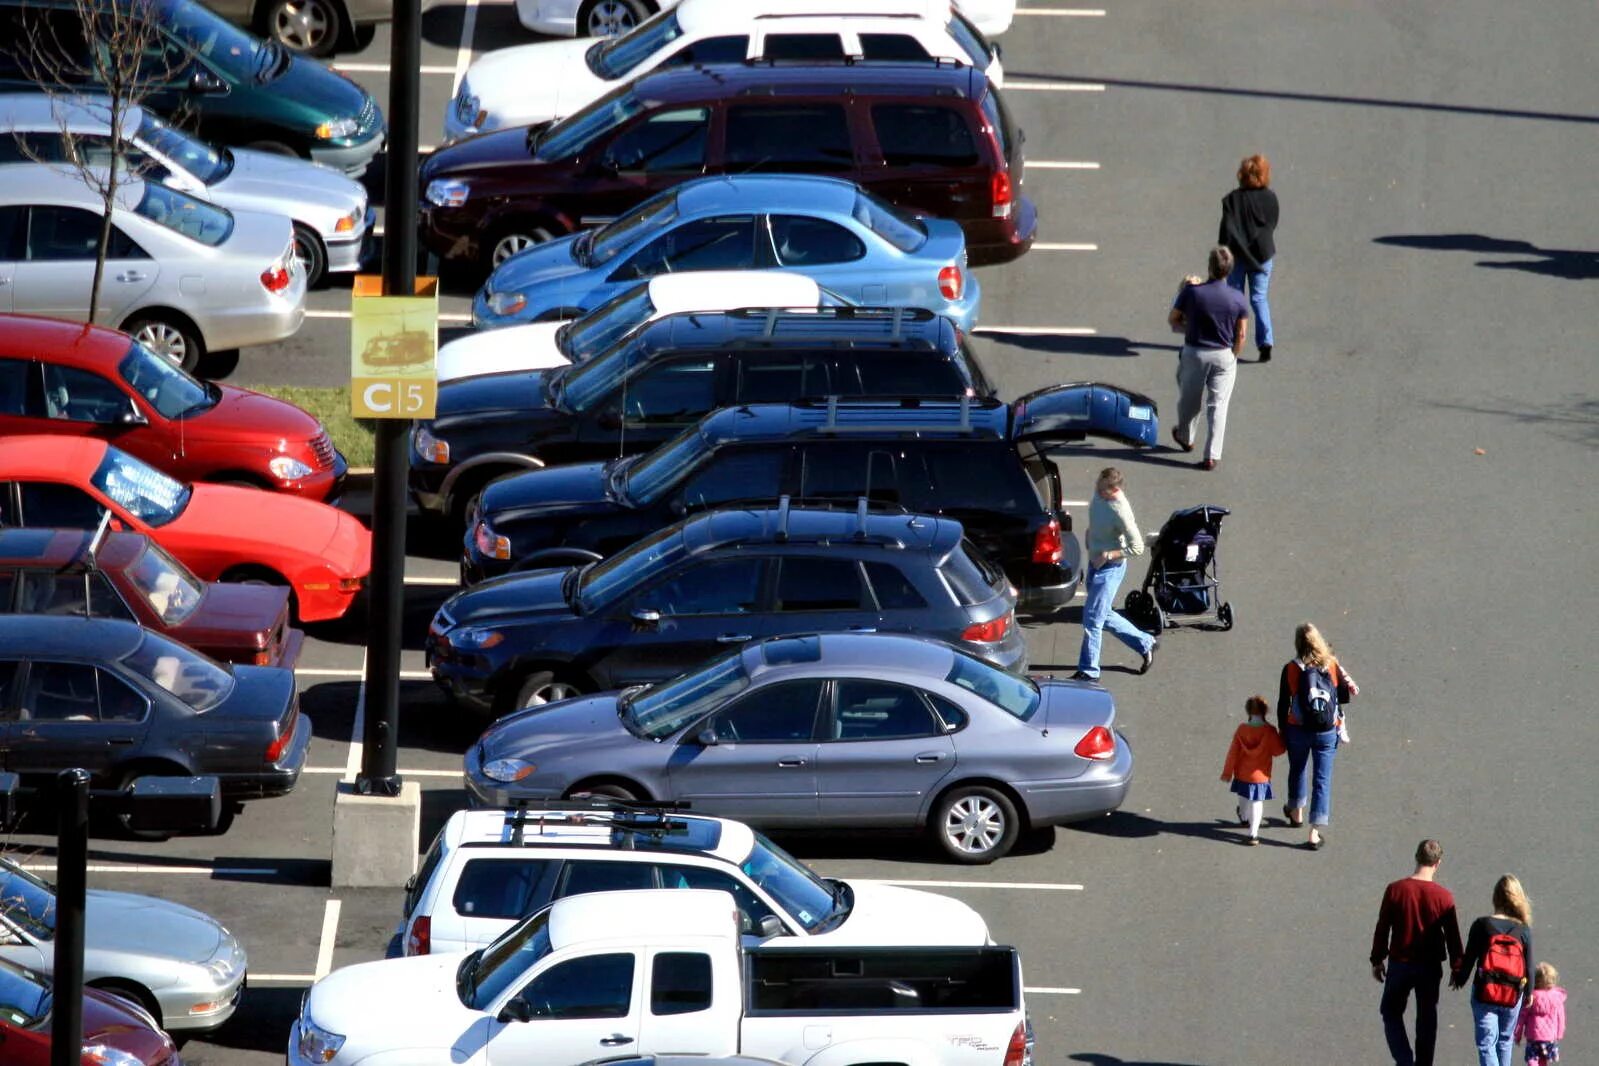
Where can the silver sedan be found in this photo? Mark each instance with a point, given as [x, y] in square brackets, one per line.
[183, 276]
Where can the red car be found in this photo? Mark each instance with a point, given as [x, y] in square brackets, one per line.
[114, 1030]
[220, 532]
[68, 379]
[131, 577]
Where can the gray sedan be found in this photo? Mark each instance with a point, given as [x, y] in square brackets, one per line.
[176, 963]
[842, 730]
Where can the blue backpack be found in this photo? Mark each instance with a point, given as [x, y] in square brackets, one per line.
[1318, 699]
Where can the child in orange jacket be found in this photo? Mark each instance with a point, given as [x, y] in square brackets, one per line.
[1248, 765]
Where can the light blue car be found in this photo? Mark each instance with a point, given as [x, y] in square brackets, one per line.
[860, 247]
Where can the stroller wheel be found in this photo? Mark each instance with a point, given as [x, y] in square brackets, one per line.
[1158, 617]
[1139, 609]
[1224, 615]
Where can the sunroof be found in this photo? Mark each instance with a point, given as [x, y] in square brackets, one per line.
[25, 543]
[792, 650]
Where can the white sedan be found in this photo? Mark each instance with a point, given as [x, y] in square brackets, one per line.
[607, 18]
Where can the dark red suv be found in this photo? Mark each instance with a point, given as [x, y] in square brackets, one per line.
[933, 138]
[68, 379]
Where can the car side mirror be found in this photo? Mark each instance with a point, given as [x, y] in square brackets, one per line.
[769, 926]
[516, 1010]
[133, 416]
[707, 738]
[646, 617]
[204, 83]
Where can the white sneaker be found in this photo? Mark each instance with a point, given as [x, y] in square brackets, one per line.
[1343, 734]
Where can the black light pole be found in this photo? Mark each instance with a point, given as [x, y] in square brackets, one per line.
[72, 887]
[386, 603]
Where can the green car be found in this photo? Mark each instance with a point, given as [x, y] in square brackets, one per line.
[229, 87]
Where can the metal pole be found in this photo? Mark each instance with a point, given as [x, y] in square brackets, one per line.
[72, 876]
[386, 603]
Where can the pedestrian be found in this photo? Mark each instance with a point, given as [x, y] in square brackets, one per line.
[1416, 930]
[1499, 949]
[1542, 1023]
[1255, 744]
[1212, 317]
[1310, 693]
[1249, 229]
[1112, 537]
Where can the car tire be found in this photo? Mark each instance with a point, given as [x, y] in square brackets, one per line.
[123, 822]
[542, 687]
[312, 255]
[168, 336]
[603, 790]
[510, 239]
[975, 824]
[304, 27]
[611, 18]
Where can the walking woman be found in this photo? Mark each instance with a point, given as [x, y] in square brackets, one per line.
[1499, 948]
[1249, 230]
[1312, 689]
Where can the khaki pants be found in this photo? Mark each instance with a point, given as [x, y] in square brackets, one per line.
[1204, 375]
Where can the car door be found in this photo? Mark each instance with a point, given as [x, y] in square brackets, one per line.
[76, 714]
[651, 407]
[47, 504]
[653, 153]
[929, 159]
[882, 751]
[56, 274]
[720, 242]
[732, 473]
[81, 403]
[704, 606]
[86, 594]
[788, 137]
[755, 759]
[13, 236]
[489, 895]
[583, 1008]
[812, 593]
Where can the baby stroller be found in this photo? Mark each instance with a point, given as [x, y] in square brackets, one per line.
[1183, 579]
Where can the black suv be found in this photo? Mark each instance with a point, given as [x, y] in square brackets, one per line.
[722, 578]
[979, 461]
[652, 384]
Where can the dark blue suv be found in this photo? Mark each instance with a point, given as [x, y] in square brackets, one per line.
[721, 578]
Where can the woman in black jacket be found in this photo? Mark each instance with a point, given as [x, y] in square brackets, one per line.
[1249, 228]
[1503, 983]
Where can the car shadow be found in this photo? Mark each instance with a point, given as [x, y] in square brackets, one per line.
[888, 845]
[1129, 826]
[262, 1023]
[1072, 344]
[421, 603]
[1095, 1058]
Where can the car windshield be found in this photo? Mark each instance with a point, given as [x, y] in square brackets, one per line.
[164, 385]
[27, 902]
[24, 998]
[650, 217]
[647, 479]
[806, 897]
[605, 581]
[191, 677]
[487, 973]
[183, 214]
[606, 324]
[1012, 693]
[890, 223]
[208, 165]
[143, 491]
[663, 709]
[173, 592]
[571, 135]
[219, 41]
[590, 382]
[617, 56]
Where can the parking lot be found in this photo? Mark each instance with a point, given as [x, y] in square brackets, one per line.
[1433, 390]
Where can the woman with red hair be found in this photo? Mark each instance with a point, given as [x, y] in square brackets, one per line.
[1248, 229]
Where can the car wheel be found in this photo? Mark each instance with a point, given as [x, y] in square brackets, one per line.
[177, 342]
[541, 687]
[517, 238]
[305, 27]
[976, 824]
[610, 18]
[124, 821]
[603, 790]
[312, 256]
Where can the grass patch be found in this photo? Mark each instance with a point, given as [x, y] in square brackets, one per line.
[351, 435]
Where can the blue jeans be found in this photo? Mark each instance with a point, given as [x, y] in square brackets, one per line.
[1495, 1028]
[1307, 751]
[1259, 282]
[1403, 979]
[1099, 614]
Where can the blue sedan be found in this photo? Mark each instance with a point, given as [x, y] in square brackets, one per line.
[834, 231]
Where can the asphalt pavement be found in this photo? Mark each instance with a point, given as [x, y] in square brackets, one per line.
[1414, 472]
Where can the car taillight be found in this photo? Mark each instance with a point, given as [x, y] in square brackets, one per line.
[262, 658]
[990, 631]
[276, 749]
[1001, 193]
[420, 938]
[1020, 1051]
[491, 544]
[1098, 744]
[275, 278]
[950, 282]
[1047, 546]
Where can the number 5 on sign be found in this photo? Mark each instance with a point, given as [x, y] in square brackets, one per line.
[393, 347]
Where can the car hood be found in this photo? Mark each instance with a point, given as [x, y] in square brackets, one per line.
[540, 265]
[240, 413]
[267, 182]
[232, 616]
[513, 595]
[420, 1007]
[269, 526]
[579, 722]
[565, 83]
[496, 351]
[481, 154]
[123, 923]
[890, 916]
[575, 488]
[519, 395]
[114, 1022]
[318, 94]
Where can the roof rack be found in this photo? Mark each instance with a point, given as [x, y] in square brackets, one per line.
[832, 425]
[811, 503]
[936, 62]
[635, 815]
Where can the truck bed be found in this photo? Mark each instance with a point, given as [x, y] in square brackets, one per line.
[942, 980]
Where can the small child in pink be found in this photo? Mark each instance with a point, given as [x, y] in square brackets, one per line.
[1542, 1022]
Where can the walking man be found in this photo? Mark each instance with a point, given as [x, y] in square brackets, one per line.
[1416, 928]
[1112, 537]
[1213, 318]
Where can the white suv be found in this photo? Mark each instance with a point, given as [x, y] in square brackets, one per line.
[608, 18]
[498, 90]
[488, 868]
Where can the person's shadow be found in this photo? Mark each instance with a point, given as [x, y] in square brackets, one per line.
[1570, 263]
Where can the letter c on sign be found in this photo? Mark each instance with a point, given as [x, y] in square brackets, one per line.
[369, 396]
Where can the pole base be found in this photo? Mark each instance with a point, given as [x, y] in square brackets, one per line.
[379, 786]
[376, 838]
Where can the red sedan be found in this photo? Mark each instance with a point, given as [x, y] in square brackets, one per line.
[114, 1030]
[220, 532]
[68, 379]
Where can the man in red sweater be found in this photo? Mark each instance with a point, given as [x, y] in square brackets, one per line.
[1416, 927]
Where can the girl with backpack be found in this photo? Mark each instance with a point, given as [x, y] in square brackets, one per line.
[1248, 765]
[1499, 948]
[1312, 689]
[1542, 1022]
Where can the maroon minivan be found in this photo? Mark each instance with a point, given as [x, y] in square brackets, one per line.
[934, 138]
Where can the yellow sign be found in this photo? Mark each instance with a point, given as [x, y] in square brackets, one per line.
[394, 343]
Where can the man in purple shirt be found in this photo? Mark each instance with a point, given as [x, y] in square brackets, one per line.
[1212, 316]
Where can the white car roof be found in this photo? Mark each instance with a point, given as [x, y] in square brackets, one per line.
[642, 915]
[720, 16]
[61, 184]
[82, 114]
[591, 829]
[729, 290]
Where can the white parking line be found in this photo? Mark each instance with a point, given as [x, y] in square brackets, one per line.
[1031, 164]
[1026, 886]
[290, 979]
[432, 581]
[330, 933]
[1045, 991]
[401, 772]
[1039, 331]
[444, 317]
[1057, 246]
[463, 53]
[151, 868]
[1065, 12]
[383, 68]
[1054, 86]
[352, 762]
[332, 671]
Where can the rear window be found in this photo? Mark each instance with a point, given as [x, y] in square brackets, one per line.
[503, 888]
[788, 137]
[183, 214]
[998, 116]
[893, 225]
[892, 47]
[908, 374]
[804, 46]
[981, 479]
[970, 576]
[971, 40]
[924, 135]
[894, 590]
[419, 882]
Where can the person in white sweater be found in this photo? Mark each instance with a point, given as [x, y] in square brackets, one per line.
[1112, 537]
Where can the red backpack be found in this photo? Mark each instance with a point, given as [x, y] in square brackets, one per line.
[1502, 974]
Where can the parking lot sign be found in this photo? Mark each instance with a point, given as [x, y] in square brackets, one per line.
[394, 343]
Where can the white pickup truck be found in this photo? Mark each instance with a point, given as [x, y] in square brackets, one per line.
[662, 971]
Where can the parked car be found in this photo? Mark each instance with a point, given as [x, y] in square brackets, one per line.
[70, 380]
[608, 18]
[540, 345]
[658, 970]
[646, 388]
[183, 276]
[219, 532]
[332, 222]
[675, 599]
[496, 91]
[982, 463]
[232, 88]
[931, 139]
[130, 577]
[182, 967]
[310, 27]
[116, 1031]
[489, 868]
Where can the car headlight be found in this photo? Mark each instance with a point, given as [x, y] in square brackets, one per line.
[337, 129]
[468, 108]
[429, 448]
[316, 1043]
[104, 1055]
[447, 192]
[506, 303]
[474, 638]
[507, 770]
[350, 222]
[288, 468]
